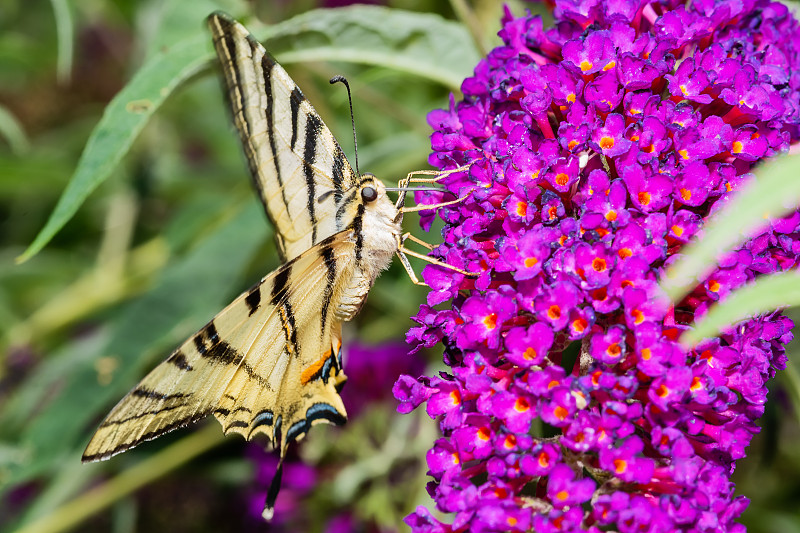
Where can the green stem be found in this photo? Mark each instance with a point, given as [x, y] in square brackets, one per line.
[76, 511]
[468, 18]
[64, 33]
[793, 378]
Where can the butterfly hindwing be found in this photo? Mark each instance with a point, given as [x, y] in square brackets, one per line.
[299, 169]
[268, 363]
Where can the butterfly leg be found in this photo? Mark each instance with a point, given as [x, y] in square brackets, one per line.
[409, 237]
[440, 174]
[426, 207]
[403, 252]
[409, 270]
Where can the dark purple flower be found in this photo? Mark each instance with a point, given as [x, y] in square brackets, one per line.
[372, 369]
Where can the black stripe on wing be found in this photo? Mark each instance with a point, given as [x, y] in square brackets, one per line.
[313, 125]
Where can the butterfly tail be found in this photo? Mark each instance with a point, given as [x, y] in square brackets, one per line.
[272, 493]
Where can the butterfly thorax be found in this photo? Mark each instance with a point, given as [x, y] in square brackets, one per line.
[376, 227]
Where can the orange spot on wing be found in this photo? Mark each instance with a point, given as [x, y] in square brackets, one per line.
[308, 373]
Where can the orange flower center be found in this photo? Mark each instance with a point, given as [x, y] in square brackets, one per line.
[606, 143]
[510, 441]
[599, 264]
[544, 460]
[455, 396]
[521, 405]
[614, 350]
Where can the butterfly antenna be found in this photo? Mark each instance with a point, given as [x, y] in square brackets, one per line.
[352, 120]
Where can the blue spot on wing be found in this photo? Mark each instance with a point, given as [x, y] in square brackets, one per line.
[325, 411]
[318, 411]
[264, 418]
[297, 429]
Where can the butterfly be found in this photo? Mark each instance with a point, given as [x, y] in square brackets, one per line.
[271, 362]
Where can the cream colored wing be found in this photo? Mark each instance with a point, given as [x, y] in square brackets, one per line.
[299, 169]
[268, 363]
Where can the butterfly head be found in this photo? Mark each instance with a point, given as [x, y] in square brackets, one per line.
[378, 214]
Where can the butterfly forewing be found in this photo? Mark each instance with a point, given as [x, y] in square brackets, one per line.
[268, 363]
[299, 169]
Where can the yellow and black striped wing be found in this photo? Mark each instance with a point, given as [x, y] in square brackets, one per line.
[299, 169]
[268, 363]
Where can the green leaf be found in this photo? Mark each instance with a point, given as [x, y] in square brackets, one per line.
[766, 294]
[774, 192]
[421, 44]
[122, 121]
[169, 22]
[11, 129]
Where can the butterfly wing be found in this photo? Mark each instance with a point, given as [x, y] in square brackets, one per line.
[299, 169]
[268, 363]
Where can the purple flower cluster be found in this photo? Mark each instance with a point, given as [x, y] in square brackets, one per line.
[597, 149]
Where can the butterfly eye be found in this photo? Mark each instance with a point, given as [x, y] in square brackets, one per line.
[369, 194]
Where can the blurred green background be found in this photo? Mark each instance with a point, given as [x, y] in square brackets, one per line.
[160, 229]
